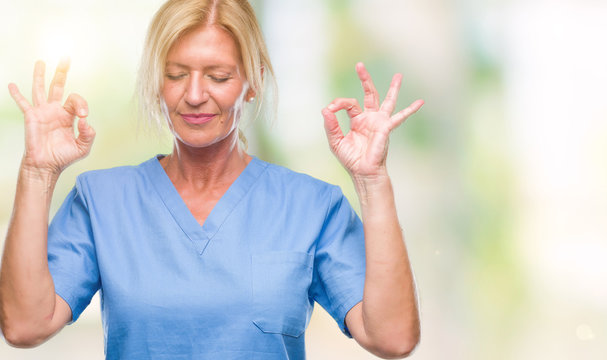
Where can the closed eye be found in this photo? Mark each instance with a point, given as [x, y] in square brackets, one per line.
[219, 79]
[175, 76]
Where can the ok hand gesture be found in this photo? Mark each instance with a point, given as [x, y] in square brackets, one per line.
[50, 143]
[364, 149]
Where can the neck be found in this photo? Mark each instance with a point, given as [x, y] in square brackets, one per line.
[208, 167]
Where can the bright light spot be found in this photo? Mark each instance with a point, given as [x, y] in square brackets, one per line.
[67, 37]
[584, 332]
[56, 44]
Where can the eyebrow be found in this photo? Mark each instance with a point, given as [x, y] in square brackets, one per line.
[209, 67]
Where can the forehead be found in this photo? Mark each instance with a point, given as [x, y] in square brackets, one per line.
[207, 45]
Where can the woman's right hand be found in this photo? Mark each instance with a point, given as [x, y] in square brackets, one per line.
[50, 142]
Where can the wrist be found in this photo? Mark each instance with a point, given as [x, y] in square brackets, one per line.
[370, 185]
[32, 173]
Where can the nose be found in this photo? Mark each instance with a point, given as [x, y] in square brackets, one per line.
[196, 92]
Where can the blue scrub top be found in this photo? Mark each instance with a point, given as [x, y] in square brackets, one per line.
[242, 286]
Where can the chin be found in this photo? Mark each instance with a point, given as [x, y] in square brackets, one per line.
[204, 139]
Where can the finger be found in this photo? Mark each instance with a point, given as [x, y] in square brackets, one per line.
[19, 99]
[332, 128]
[350, 105]
[38, 92]
[86, 135]
[76, 105]
[390, 100]
[402, 115]
[371, 96]
[58, 84]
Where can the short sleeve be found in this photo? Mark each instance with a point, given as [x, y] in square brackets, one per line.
[339, 264]
[71, 253]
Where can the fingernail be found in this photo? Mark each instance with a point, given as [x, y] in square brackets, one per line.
[82, 112]
[331, 107]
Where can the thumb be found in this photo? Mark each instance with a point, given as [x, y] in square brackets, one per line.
[332, 128]
[86, 135]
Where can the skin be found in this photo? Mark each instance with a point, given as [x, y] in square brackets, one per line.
[30, 311]
[204, 75]
[386, 321]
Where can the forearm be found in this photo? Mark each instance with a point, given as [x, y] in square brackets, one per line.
[389, 308]
[27, 295]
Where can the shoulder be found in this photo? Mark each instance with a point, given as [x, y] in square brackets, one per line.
[297, 189]
[113, 180]
[284, 178]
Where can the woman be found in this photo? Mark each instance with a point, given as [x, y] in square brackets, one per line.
[207, 252]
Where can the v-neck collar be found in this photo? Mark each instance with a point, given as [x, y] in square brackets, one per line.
[201, 235]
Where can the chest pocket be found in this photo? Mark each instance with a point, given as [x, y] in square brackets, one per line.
[280, 282]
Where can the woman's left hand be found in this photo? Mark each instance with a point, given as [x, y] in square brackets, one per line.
[364, 149]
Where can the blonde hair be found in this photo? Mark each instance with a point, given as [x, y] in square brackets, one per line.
[174, 19]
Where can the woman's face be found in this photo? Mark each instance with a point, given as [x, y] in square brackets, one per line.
[204, 87]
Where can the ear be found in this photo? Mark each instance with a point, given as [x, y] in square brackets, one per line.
[251, 93]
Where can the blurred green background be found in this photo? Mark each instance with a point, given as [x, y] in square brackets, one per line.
[500, 179]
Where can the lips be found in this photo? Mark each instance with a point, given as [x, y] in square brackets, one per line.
[197, 119]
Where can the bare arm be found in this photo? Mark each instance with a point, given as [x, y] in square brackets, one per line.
[30, 311]
[386, 322]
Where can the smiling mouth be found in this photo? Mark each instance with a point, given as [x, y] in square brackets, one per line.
[197, 118]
